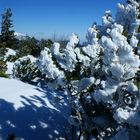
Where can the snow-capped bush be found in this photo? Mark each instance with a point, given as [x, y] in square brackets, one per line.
[100, 77]
[48, 67]
[128, 16]
[25, 69]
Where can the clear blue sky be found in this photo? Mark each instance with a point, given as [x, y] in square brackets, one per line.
[44, 18]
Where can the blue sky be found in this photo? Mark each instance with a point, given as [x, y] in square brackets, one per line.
[44, 18]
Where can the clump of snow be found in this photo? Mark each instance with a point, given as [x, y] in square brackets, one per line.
[117, 70]
[107, 18]
[134, 41]
[47, 66]
[127, 15]
[92, 35]
[33, 127]
[74, 40]
[10, 52]
[123, 115]
[10, 66]
[69, 56]
[10, 123]
[56, 132]
[43, 124]
[93, 48]
[83, 83]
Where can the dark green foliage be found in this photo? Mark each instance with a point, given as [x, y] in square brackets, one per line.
[2, 74]
[3, 68]
[3, 65]
[125, 32]
[2, 52]
[29, 46]
[45, 43]
[137, 79]
[139, 29]
[32, 46]
[7, 37]
[12, 58]
[26, 71]
[74, 75]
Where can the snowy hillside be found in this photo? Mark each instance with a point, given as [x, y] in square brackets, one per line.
[19, 36]
[31, 112]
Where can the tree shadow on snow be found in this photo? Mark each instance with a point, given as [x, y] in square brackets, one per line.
[31, 122]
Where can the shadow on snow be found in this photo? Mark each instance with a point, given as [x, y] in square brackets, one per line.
[35, 123]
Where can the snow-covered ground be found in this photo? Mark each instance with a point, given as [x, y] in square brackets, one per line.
[30, 112]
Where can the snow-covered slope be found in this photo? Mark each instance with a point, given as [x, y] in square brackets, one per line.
[18, 93]
[19, 36]
[31, 112]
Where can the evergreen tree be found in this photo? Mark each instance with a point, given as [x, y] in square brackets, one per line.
[7, 35]
[29, 46]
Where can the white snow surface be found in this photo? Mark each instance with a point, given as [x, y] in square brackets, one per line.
[9, 70]
[17, 93]
[10, 52]
[30, 112]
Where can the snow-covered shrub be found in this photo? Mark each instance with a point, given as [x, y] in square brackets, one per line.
[128, 16]
[47, 66]
[25, 69]
[112, 104]
[101, 77]
[65, 66]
